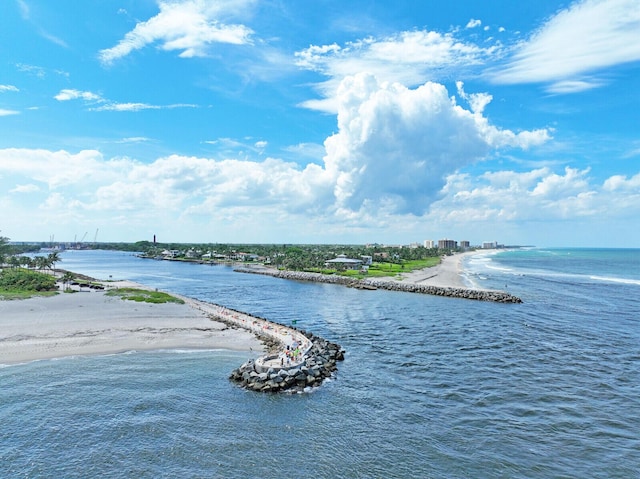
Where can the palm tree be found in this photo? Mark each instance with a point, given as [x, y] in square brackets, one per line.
[67, 277]
[41, 262]
[25, 261]
[52, 259]
[3, 249]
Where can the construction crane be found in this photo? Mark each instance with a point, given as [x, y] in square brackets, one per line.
[95, 237]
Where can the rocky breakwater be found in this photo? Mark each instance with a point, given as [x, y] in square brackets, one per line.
[265, 374]
[391, 285]
[463, 293]
[296, 360]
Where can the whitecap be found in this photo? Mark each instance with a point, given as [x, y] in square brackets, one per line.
[616, 280]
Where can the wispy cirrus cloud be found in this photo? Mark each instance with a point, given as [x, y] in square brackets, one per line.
[6, 88]
[569, 50]
[29, 188]
[408, 57]
[190, 27]
[134, 139]
[25, 13]
[141, 106]
[70, 94]
[32, 70]
[108, 105]
[38, 71]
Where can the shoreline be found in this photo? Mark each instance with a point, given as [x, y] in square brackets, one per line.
[88, 323]
[448, 274]
[91, 323]
[444, 279]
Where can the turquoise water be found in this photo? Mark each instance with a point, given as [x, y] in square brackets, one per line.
[430, 387]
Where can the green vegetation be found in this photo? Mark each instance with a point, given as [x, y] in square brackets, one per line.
[385, 260]
[7, 249]
[391, 269]
[378, 270]
[20, 283]
[390, 260]
[144, 296]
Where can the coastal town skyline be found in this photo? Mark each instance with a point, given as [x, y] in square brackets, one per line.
[253, 121]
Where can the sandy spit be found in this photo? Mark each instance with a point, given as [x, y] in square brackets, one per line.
[90, 322]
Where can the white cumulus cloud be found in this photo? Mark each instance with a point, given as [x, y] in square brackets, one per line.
[536, 195]
[473, 23]
[396, 145]
[64, 190]
[190, 27]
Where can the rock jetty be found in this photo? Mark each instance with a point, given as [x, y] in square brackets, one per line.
[320, 363]
[463, 293]
[297, 359]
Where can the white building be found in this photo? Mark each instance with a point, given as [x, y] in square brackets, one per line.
[346, 263]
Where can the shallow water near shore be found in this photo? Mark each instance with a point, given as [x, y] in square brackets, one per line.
[430, 387]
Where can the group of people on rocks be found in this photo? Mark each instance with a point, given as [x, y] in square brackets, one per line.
[290, 354]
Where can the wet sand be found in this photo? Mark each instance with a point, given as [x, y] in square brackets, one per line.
[448, 274]
[90, 322]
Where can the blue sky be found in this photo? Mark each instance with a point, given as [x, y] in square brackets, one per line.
[282, 121]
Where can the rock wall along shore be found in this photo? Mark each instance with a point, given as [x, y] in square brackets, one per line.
[463, 293]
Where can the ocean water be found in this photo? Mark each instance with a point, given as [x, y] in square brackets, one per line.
[430, 388]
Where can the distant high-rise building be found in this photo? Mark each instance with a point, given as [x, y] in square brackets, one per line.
[428, 244]
[465, 244]
[447, 244]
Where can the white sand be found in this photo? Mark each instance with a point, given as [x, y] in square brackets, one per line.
[448, 274]
[89, 322]
[83, 323]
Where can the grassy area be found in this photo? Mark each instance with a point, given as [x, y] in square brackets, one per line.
[380, 270]
[7, 294]
[20, 283]
[144, 296]
[392, 269]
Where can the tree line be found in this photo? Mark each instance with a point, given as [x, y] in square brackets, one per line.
[297, 257]
[13, 257]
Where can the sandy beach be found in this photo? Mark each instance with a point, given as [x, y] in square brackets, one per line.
[448, 274]
[87, 323]
[90, 322]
